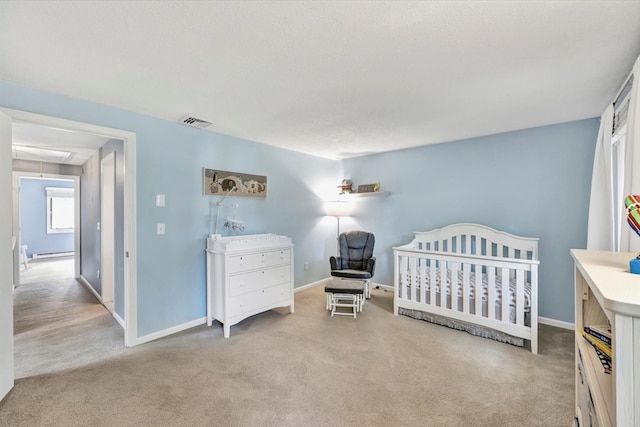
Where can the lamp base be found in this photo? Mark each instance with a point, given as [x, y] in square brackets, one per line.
[634, 266]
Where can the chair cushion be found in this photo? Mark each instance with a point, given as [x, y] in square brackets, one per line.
[356, 247]
[352, 274]
[344, 286]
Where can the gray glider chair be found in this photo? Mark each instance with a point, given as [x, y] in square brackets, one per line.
[356, 260]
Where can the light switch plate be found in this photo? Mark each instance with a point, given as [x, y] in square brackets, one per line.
[160, 228]
[159, 199]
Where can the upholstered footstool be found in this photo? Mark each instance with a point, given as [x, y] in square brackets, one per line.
[345, 293]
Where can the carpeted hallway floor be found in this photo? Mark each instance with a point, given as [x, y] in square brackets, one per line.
[279, 369]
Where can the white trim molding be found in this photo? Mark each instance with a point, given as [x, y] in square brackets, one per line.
[309, 285]
[557, 323]
[326, 279]
[87, 285]
[119, 319]
[172, 330]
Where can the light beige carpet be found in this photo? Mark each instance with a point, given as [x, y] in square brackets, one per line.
[280, 369]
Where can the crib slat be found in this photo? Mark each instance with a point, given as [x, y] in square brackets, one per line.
[491, 293]
[504, 301]
[511, 253]
[423, 285]
[454, 267]
[520, 297]
[404, 271]
[479, 289]
[465, 287]
[443, 284]
[414, 278]
[432, 283]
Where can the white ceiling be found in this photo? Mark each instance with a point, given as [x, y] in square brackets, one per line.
[40, 143]
[333, 79]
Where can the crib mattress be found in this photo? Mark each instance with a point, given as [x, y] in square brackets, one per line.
[472, 288]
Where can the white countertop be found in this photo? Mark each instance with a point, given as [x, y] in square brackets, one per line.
[608, 274]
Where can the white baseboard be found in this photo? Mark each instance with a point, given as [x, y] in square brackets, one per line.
[170, 331]
[310, 285]
[323, 281]
[87, 285]
[51, 255]
[557, 323]
[380, 285]
[119, 319]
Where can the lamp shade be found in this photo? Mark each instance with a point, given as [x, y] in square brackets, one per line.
[337, 208]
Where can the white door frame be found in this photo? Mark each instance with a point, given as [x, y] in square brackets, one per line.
[16, 218]
[7, 369]
[107, 230]
[130, 260]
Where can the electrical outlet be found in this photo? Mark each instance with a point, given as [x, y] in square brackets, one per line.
[160, 228]
[307, 266]
[98, 274]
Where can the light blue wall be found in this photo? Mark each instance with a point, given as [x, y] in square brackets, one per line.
[90, 211]
[534, 182]
[170, 158]
[33, 218]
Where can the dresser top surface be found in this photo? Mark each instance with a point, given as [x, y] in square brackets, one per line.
[247, 242]
[608, 276]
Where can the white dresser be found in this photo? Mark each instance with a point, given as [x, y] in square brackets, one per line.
[247, 275]
[606, 293]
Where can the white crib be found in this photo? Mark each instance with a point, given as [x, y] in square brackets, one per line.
[456, 260]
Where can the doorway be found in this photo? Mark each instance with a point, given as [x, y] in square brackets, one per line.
[129, 212]
[43, 205]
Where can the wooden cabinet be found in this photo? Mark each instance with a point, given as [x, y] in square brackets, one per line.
[247, 275]
[606, 293]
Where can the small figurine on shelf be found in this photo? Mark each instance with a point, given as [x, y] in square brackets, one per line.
[345, 186]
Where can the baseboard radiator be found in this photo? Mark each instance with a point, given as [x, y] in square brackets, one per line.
[51, 255]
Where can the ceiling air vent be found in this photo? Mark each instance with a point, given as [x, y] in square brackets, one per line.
[195, 122]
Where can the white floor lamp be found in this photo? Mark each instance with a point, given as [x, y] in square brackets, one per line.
[337, 208]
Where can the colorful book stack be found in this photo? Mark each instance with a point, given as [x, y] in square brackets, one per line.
[600, 338]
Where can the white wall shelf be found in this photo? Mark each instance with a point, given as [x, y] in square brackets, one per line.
[371, 194]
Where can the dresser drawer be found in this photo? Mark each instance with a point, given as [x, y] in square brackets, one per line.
[240, 263]
[261, 298]
[254, 280]
[281, 257]
[262, 260]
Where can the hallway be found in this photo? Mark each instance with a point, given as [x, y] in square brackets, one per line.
[55, 317]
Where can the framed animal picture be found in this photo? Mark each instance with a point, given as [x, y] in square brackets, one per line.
[220, 183]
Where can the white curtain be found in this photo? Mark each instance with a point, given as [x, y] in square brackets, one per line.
[601, 228]
[629, 240]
